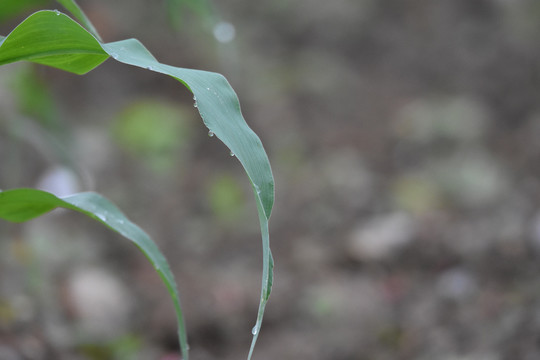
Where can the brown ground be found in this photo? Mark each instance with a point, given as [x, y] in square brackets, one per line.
[403, 137]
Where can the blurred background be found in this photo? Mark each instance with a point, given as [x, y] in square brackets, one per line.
[403, 137]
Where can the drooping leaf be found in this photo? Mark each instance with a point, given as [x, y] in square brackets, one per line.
[52, 38]
[21, 205]
[220, 110]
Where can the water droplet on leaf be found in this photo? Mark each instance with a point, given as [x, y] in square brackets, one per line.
[57, 12]
[254, 330]
[210, 133]
[149, 68]
[114, 56]
[231, 153]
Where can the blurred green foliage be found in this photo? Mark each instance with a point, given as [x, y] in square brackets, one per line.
[123, 348]
[34, 97]
[9, 9]
[154, 131]
[176, 10]
[226, 198]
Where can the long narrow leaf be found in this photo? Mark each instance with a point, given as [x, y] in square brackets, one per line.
[220, 110]
[20, 205]
[54, 39]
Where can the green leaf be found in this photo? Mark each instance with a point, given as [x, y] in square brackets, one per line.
[220, 110]
[54, 39]
[23, 205]
[20, 205]
[51, 38]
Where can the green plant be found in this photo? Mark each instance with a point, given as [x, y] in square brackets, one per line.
[54, 39]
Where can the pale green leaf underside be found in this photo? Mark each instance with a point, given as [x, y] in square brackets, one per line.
[53, 39]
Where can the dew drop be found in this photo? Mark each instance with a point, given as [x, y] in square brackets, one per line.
[254, 330]
[57, 12]
[195, 104]
[102, 217]
[231, 153]
[257, 189]
[210, 133]
[114, 56]
[149, 68]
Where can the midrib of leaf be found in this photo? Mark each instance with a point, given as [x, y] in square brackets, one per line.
[46, 54]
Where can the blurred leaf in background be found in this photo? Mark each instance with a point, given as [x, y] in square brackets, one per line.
[226, 198]
[123, 348]
[154, 131]
[34, 97]
[9, 9]
[176, 9]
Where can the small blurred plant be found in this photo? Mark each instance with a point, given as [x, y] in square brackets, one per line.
[201, 8]
[54, 39]
[9, 9]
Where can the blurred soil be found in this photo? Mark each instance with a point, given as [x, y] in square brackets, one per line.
[403, 137]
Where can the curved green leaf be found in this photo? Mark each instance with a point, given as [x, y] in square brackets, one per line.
[21, 205]
[54, 39]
